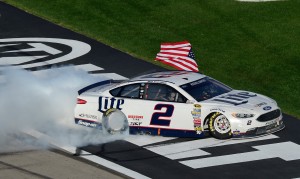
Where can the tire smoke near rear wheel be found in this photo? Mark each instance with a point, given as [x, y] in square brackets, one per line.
[114, 121]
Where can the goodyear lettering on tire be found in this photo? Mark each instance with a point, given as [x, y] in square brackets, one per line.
[107, 112]
[211, 120]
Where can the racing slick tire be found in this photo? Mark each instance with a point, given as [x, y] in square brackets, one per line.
[219, 126]
[114, 121]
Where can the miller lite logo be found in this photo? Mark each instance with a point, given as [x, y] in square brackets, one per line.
[106, 103]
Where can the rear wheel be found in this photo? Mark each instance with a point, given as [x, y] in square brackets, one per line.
[219, 126]
[114, 121]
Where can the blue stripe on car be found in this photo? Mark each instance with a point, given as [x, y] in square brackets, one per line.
[93, 86]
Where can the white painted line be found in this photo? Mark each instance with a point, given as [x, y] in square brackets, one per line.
[88, 67]
[5, 45]
[186, 154]
[113, 76]
[227, 159]
[37, 47]
[141, 140]
[87, 155]
[18, 60]
[264, 152]
[288, 151]
[178, 150]
[217, 142]
[78, 49]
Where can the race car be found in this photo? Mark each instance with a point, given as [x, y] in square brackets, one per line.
[177, 104]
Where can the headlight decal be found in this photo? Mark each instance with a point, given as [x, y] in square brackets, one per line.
[242, 115]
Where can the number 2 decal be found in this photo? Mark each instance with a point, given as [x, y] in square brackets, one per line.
[162, 118]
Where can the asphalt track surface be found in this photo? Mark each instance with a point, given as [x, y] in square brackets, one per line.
[277, 156]
[48, 164]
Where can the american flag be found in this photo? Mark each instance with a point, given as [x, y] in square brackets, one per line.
[178, 55]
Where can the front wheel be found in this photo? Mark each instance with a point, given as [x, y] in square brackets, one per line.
[219, 126]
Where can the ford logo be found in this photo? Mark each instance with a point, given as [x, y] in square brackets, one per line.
[267, 108]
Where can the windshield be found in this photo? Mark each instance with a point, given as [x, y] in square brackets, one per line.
[205, 88]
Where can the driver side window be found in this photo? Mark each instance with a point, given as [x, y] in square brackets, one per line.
[162, 92]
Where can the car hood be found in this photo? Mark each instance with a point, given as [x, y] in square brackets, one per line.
[243, 99]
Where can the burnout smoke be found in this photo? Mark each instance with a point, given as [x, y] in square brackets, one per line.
[43, 101]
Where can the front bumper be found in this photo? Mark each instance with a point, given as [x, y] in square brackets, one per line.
[258, 131]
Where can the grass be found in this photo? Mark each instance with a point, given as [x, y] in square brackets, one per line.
[251, 46]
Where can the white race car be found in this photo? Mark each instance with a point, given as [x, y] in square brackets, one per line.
[178, 104]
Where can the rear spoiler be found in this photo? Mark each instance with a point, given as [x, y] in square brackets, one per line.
[94, 85]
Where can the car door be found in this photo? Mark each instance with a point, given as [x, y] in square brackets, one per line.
[167, 107]
[156, 105]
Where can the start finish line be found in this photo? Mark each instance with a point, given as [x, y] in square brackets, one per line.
[286, 150]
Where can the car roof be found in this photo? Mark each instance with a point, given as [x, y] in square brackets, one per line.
[176, 77]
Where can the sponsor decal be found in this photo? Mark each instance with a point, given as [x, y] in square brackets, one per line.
[271, 122]
[142, 90]
[135, 117]
[260, 104]
[198, 129]
[87, 124]
[90, 116]
[197, 105]
[197, 82]
[217, 109]
[197, 121]
[236, 133]
[249, 122]
[273, 125]
[135, 123]
[196, 112]
[267, 108]
[107, 112]
[197, 125]
[108, 103]
[235, 99]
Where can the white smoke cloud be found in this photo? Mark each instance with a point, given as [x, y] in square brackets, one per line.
[43, 101]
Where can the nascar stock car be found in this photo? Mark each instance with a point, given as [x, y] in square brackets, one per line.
[177, 104]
